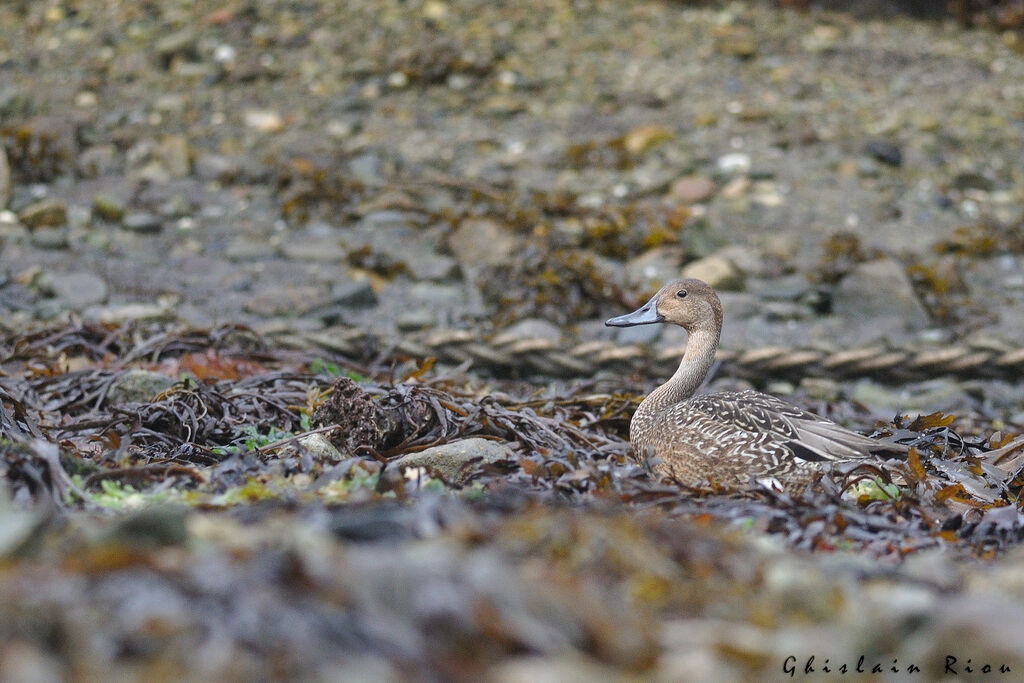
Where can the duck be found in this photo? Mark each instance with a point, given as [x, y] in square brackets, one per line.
[732, 439]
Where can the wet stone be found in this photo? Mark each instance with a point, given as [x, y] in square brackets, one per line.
[143, 222]
[879, 289]
[108, 207]
[249, 248]
[534, 328]
[410, 321]
[717, 271]
[45, 213]
[479, 241]
[353, 293]
[50, 238]
[693, 189]
[137, 386]
[175, 153]
[216, 167]
[889, 153]
[313, 249]
[452, 461]
[78, 290]
[651, 269]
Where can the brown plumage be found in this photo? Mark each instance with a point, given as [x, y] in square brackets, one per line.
[729, 438]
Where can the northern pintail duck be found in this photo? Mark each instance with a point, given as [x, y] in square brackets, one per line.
[730, 438]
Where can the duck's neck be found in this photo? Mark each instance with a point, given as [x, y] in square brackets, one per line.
[693, 368]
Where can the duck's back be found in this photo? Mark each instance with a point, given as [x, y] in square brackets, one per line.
[731, 437]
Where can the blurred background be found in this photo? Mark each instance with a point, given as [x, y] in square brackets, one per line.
[405, 166]
[846, 174]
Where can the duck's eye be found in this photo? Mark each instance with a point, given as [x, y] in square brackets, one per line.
[681, 294]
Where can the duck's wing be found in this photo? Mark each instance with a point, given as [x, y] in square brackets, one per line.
[807, 436]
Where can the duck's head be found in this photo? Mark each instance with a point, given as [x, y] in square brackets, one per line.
[691, 304]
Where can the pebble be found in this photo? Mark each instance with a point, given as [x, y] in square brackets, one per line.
[50, 238]
[450, 461]
[879, 289]
[693, 189]
[45, 213]
[249, 248]
[182, 42]
[137, 386]
[887, 152]
[734, 163]
[971, 180]
[142, 222]
[423, 264]
[480, 241]
[120, 314]
[353, 293]
[216, 167]
[322, 250]
[718, 271]
[533, 328]
[321, 448]
[5, 179]
[653, 268]
[410, 321]
[79, 289]
[263, 120]
[645, 137]
[926, 397]
[736, 188]
[176, 155]
[735, 41]
[283, 299]
[108, 207]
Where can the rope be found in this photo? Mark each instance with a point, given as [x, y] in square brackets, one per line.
[504, 354]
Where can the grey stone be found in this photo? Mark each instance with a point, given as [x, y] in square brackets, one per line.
[175, 206]
[137, 386]
[739, 305]
[534, 328]
[887, 152]
[366, 168]
[97, 161]
[142, 222]
[821, 388]
[418, 319]
[50, 238]
[878, 289]
[182, 42]
[5, 179]
[429, 265]
[108, 207]
[249, 248]
[639, 334]
[122, 313]
[353, 293]
[450, 461]
[653, 268]
[482, 242]
[385, 219]
[693, 189]
[320, 447]
[78, 290]
[718, 271]
[45, 213]
[313, 249]
[283, 299]
[176, 155]
[970, 180]
[215, 167]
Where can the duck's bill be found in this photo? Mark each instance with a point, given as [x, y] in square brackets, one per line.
[645, 315]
